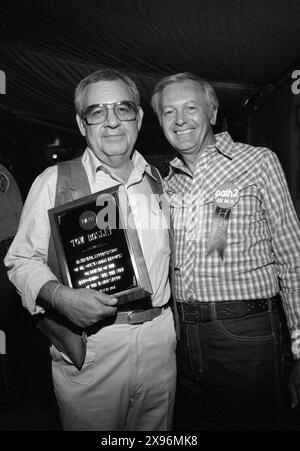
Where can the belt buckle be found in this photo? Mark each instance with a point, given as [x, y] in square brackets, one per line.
[234, 309]
[196, 314]
[187, 317]
[140, 317]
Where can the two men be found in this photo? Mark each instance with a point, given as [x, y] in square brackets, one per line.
[236, 247]
[128, 378]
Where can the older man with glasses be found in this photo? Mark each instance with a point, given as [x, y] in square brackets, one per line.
[127, 381]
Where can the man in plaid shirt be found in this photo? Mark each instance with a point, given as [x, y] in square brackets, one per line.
[236, 247]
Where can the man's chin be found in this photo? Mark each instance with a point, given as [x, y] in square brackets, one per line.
[113, 153]
[184, 148]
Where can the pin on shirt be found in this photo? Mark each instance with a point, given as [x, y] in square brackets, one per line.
[226, 197]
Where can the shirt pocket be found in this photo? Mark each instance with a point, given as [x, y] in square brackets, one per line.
[249, 211]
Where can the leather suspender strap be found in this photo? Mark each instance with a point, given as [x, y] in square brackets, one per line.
[72, 183]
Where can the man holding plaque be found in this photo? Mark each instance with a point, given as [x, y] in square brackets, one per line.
[236, 246]
[127, 378]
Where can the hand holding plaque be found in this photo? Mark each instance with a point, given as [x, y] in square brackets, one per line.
[84, 307]
[96, 253]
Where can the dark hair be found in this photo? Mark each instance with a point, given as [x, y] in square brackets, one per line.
[105, 74]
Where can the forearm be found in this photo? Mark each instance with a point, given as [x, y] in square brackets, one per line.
[284, 230]
[28, 276]
[54, 295]
[46, 296]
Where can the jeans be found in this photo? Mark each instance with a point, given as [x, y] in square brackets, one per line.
[230, 374]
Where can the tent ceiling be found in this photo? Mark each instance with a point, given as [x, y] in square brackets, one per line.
[47, 46]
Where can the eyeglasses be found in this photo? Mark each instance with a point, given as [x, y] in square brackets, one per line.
[97, 114]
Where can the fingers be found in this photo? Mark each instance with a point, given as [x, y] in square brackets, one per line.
[87, 307]
[107, 310]
[106, 299]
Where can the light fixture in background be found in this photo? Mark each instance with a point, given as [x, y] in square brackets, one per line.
[54, 143]
[55, 151]
[246, 102]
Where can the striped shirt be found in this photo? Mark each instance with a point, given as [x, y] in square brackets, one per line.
[28, 254]
[262, 252]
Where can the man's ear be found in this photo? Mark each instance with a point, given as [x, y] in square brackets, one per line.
[139, 117]
[160, 119]
[213, 117]
[80, 124]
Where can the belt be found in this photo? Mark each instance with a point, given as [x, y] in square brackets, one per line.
[135, 312]
[138, 316]
[191, 312]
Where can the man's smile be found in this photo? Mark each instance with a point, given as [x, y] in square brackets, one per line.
[119, 135]
[184, 132]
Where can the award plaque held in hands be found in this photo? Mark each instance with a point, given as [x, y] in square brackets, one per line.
[98, 247]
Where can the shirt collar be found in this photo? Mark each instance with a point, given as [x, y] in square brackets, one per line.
[224, 145]
[141, 164]
[93, 164]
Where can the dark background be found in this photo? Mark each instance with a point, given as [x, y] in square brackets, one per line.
[248, 51]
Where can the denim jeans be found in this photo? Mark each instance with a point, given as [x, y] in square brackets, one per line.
[230, 374]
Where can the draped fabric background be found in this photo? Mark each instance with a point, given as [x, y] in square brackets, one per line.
[244, 48]
[270, 124]
[47, 46]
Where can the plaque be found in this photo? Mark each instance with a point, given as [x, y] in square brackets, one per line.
[97, 247]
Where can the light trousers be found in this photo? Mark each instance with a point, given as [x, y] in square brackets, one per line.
[127, 382]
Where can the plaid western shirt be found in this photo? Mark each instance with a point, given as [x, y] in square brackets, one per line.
[262, 252]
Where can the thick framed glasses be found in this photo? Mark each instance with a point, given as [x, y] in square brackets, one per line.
[97, 114]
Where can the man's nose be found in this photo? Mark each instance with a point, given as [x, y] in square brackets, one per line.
[180, 117]
[112, 120]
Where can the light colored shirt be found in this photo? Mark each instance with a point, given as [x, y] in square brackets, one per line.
[262, 251]
[10, 204]
[27, 256]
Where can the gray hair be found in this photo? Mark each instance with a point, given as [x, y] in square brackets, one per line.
[105, 74]
[209, 92]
